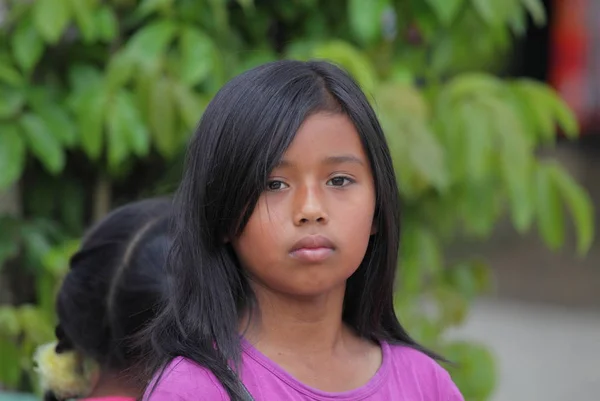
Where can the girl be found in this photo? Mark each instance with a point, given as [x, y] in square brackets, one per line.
[110, 293]
[285, 252]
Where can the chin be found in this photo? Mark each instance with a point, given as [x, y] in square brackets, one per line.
[313, 289]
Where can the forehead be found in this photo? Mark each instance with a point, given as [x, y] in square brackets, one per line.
[326, 138]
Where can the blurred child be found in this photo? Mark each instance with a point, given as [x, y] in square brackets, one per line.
[113, 288]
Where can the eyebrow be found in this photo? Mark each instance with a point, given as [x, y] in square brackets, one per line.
[331, 160]
[343, 159]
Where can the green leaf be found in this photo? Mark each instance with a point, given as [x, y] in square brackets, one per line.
[116, 145]
[443, 55]
[150, 43]
[451, 133]
[486, 10]
[82, 76]
[547, 106]
[9, 323]
[424, 329]
[148, 7]
[35, 324]
[300, 49]
[107, 25]
[421, 256]
[536, 10]
[11, 101]
[162, 118]
[46, 288]
[197, 54]
[255, 58]
[43, 144]
[190, 105]
[27, 45]
[137, 134]
[56, 260]
[17, 10]
[472, 85]
[538, 122]
[427, 156]
[36, 243]
[430, 252]
[452, 306]
[417, 153]
[144, 83]
[365, 18]
[479, 144]
[219, 14]
[517, 180]
[84, 11]
[468, 281]
[549, 209]
[518, 22]
[90, 116]
[418, 156]
[246, 4]
[10, 369]
[446, 10]
[402, 99]
[350, 58]
[121, 68]
[410, 274]
[515, 160]
[9, 75]
[479, 207]
[58, 122]
[12, 156]
[402, 75]
[473, 369]
[126, 131]
[564, 116]
[580, 206]
[51, 18]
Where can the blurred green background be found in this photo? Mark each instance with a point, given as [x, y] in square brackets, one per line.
[98, 98]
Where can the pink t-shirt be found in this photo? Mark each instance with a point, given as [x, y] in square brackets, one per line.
[405, 375]
[109, 399]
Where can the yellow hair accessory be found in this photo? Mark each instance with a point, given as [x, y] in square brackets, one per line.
[64, 374]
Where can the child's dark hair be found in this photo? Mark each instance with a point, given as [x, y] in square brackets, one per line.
[242, 135]
[115, 284]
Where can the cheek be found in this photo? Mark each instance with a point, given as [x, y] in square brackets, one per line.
[357, 232]
[354, 224]
[267, 221]
[261, 234]
[356, 215]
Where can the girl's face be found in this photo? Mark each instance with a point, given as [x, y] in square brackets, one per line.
[310, 229]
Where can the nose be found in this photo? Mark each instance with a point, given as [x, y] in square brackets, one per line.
[309, 207]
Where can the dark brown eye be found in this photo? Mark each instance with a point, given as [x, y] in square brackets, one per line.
[276, 185]
[339, 181]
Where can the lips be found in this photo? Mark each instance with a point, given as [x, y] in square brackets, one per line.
[312, 249]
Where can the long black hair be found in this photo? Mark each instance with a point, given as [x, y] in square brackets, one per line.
[242, 135]
[115, 285]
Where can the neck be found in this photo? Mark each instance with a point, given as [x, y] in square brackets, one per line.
[112, 384]
[303, 325]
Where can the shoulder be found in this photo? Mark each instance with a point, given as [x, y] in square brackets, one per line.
[423, 372]
[185, 380]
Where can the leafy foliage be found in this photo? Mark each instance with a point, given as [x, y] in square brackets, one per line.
[99, 97]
